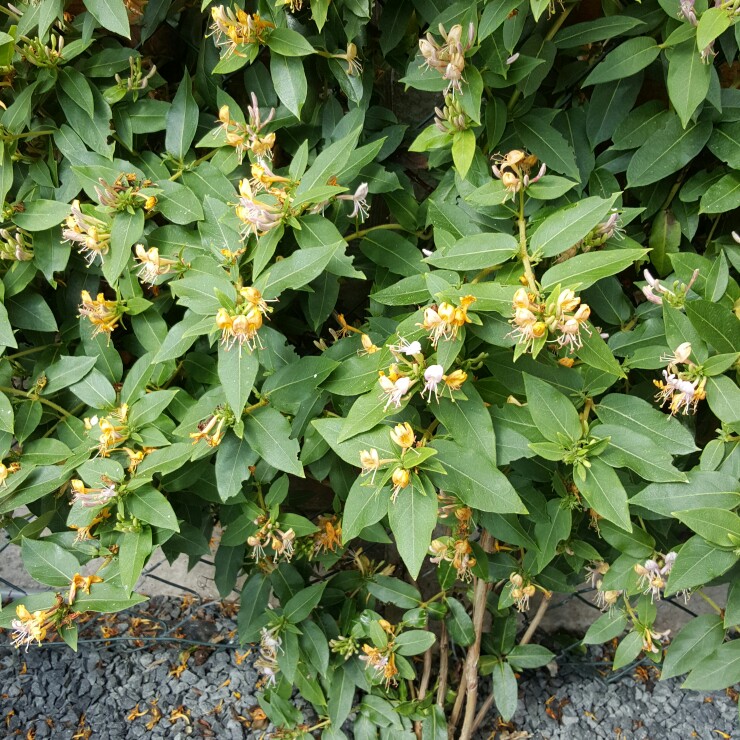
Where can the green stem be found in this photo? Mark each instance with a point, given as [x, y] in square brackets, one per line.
[523, 253]
[50, 404]
[31, 351]
[364, 232]
[711, 603]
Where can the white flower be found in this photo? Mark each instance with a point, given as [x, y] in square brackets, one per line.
[395, 390]
[433, 376]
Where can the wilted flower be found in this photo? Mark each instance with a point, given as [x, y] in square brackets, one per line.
[455, 380]
[212, 429]
[368, 348]
[266, 664]
[606, 599]
[6, 470]
[595, 571]
[360, 209]
[329, 536]
[81, 582]
[91, 497]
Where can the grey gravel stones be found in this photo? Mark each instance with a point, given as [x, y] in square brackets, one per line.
[60, 693]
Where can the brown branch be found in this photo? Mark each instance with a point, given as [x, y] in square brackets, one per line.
[444, 660]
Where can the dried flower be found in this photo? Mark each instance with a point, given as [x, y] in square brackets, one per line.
[329, 536]
[6, 470]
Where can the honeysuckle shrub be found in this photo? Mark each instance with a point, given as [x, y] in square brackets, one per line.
[417, 313]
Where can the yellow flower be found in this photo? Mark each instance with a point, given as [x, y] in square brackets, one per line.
[403, 435]
[455, 380]
[401, 479]
[28, 627]
[370, 462]
[102, 314]
[81, 582]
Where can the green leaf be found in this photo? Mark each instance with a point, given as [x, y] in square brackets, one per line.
[627, 650]
[290, 83]
[39, 214]
[134, 549]
[341, 695]
[237, 370]
[289, 43]
[529, 656]
[391, 250]
[469, 422]
[126, 230]
[463, 150]
[182, 120]
[552, 412]
[688, 80]
[253, 602]
[548, 144]
[595, 353]
[30, 311]
[718, 526]
[367, 412]
[66, 371]
[413, 517]
[48, 563]
[394, 591]
[505, 690]
[667, 150]
[723, 397]
[293, 384]
[605, 493]
[111, 15]
[723, 196]
[475, 480]
[148, 505]
[303, 603]
[233, 458]
[599, 29]
[567, 226]
[95, 390]
[698, 563]
[414, 642]
[6, 414]
[665, 240]
[718, 671]
[459, 623]
[315, 646]
[704, 489]
[365, 505]
[633, 413]
[475, 252]
[78, 89]
[713, 23]
[628, 448]
[268, 433]
[605, 628]
[584, 270]
[715, 324]
[627, 59]
[295, 271]
[104, 597]
[550, 187]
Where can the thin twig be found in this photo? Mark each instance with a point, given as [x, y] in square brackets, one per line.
[470, 670]
[424, 685]
[444, 660]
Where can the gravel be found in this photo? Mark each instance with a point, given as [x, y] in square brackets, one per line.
[118, 689]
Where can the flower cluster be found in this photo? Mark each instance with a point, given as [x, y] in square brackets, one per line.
[451, 118]
[113, 429]
[213, 428]
[445, 320]
[152, 265]
[382, 660]
[29, 628]
[90, 233]
[329, 536]
[232, 28]
[559, 319]
[91, 497]
[653, 575]
[257, 215]
[434, 376]
[370, 462]
[266, 664]
[248, 136]
[513, 169]
[395, 386]
[521, 591]
[241, 324]
[656, 292]
[125, 193]
[104, 315]
[268, 534]
[456, 551]
[447, 58]
[681, 388]
[15, 246]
